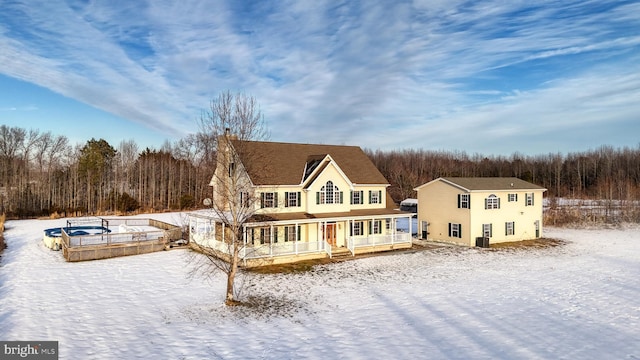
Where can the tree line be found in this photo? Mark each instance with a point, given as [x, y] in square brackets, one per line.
[42, 173]
[605, 173]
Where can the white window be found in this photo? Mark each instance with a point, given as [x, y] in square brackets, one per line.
[487, 230]
[244, 199]
[529, 199]
[269, 200]
[376, 227]
[510, 228]
[464, 201]
[292, 199]
[356, 198]
[292, 233]
[455, 230]
[492, 202]
[265, 235]
[512, 197]
[356, 228]
[329, 194]
[375, 197]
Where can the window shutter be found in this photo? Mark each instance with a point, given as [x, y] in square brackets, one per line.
[298, 234]
[299, 200]
[261, 236]
[498, 203]
[379, 196]
[506, 228]
[261, 200]
[286, 199]
[513, 225]
[460, 231]
[286, 233]
[490, 230]
[516, 196]
[361, 197]
[369, 196]
[275, 199]
[317, 198]
[351, 229]
[351, 197]
[469, 201]
[532, 197]
[370, 226]
[449, 229]
[341, 197]
[275, 234]
[486, 203]
[459, 201]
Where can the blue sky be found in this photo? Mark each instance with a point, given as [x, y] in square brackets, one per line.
[488, 77]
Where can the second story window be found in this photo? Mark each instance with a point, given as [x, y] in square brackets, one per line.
[268, 200]
[232, 169]
[329, 194]
[292, 199]
[464, 201]
[375, 197]
[356, 198]
[529, 199]
[492, 202]
[512, 197]
[244, 199]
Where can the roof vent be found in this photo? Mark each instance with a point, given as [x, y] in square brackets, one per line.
[511, 184]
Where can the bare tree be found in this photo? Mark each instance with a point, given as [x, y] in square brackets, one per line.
[234, 119]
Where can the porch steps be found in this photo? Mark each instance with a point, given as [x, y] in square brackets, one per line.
[339, 252]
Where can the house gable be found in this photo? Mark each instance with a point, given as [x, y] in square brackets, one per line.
[325, 163]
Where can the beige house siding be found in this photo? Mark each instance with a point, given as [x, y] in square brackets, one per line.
[438, 206]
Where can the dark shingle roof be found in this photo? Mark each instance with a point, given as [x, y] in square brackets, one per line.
[492, 183]
[285, 162]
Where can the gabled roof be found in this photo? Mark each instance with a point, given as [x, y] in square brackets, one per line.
[487, 183]
[287, 162]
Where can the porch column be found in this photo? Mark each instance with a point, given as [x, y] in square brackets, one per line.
[270, 239]
[244, 248]
[410, 230]
[392, 222]
[295, 240]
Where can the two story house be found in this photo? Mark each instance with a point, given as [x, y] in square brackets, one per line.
[468, 211]
[304, 200]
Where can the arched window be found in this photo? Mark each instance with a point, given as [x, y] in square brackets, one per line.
[330, 194]
[492, 202]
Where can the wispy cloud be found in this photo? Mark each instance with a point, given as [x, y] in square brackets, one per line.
[341, 72]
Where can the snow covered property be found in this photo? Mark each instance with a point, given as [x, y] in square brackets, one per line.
[578, 300]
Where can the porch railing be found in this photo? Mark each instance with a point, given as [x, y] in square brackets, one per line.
[261, 250]
[375, 240]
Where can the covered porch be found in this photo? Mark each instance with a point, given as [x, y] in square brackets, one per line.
[292, 236]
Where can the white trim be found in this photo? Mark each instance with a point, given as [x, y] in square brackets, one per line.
[317, 171]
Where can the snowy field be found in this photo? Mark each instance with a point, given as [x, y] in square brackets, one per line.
[580, 300]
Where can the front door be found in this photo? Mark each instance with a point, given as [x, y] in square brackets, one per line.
[330, 233]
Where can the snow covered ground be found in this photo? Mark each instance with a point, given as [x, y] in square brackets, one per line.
[580, 300]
